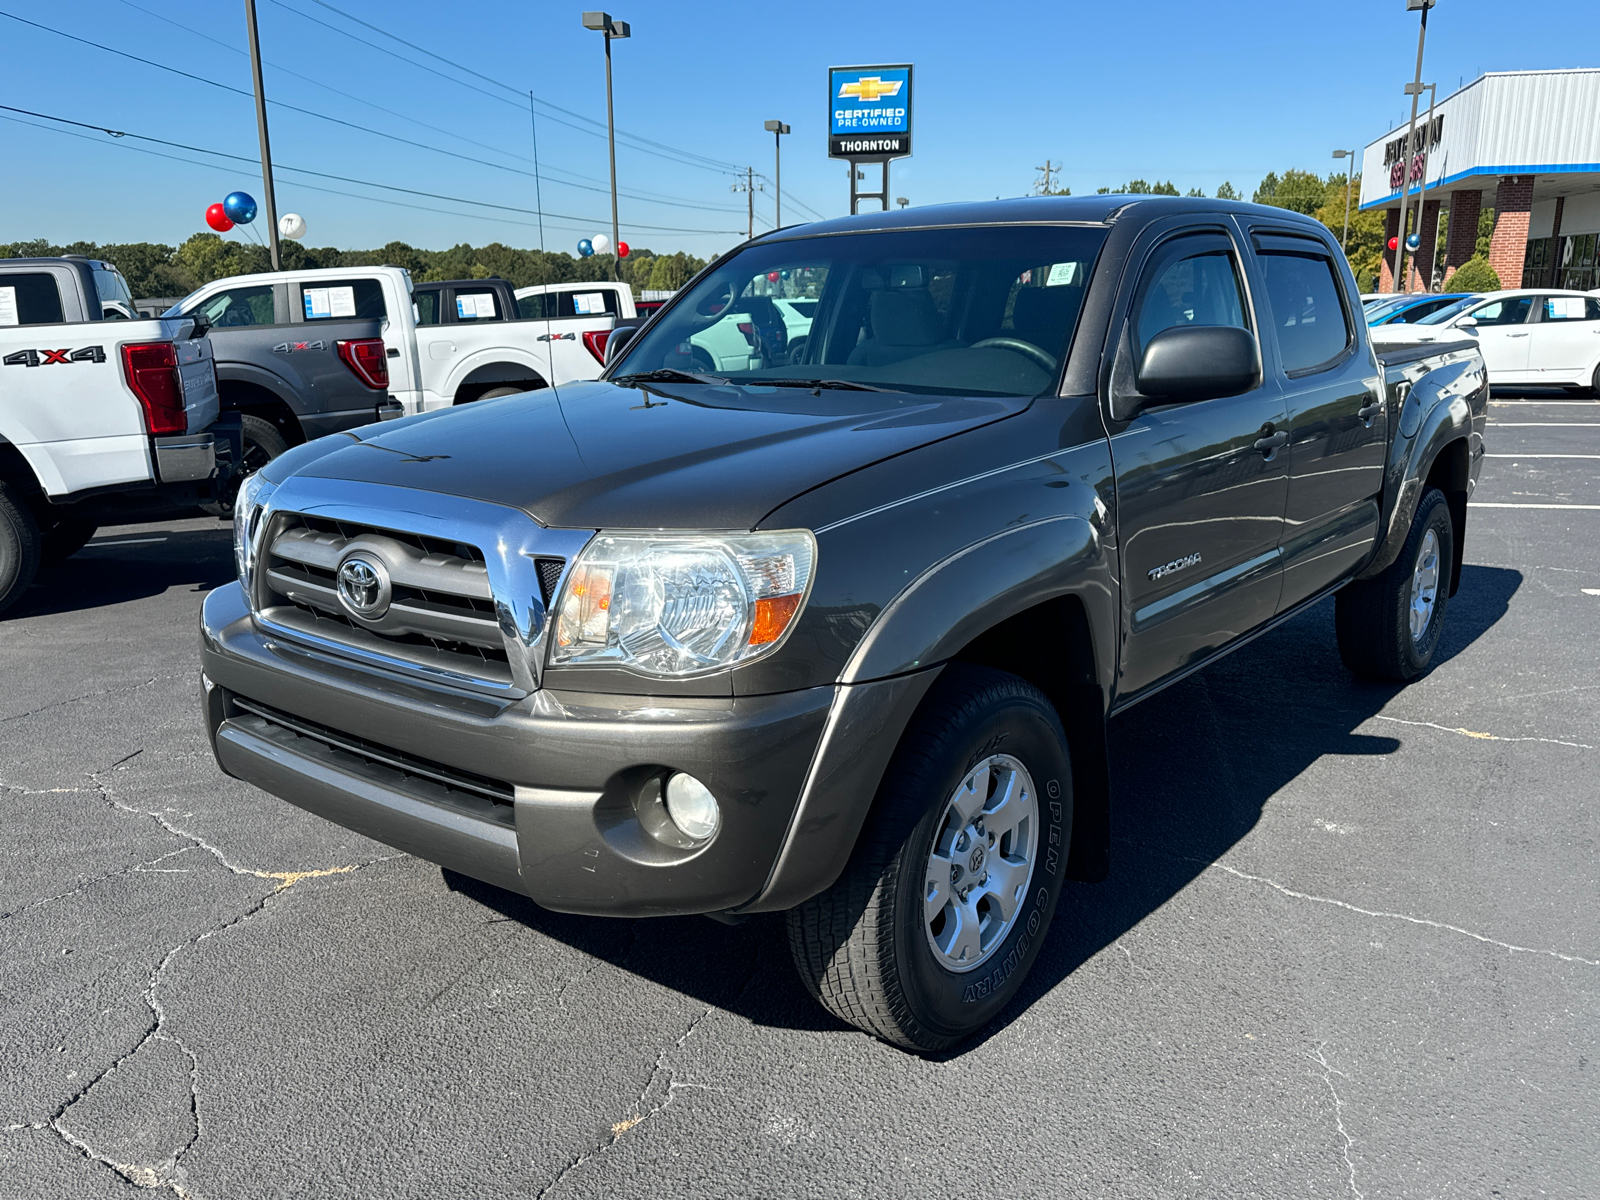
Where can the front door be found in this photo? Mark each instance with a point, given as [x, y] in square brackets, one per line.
[1564, 342]
[1200, 486]
[1338, 423]
[1502, 331]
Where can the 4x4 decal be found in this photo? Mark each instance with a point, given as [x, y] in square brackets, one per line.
[291, 347]
[45, 358]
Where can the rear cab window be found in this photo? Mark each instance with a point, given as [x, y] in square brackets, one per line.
[1306, 303]
[599, 303]
[477, 304]
[341, 299]
[30, 298]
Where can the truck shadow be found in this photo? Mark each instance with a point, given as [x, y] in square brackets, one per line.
[1192, 768]
[132, 563]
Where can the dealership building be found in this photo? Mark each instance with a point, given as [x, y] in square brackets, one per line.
[1524, 143]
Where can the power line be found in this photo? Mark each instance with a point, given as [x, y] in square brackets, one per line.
[117, 133]
[347, 124]
[497, 83]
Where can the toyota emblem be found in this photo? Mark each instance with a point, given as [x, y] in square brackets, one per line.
[364, 587]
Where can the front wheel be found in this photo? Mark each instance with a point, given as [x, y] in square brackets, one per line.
[1388, 627]
[939, 915]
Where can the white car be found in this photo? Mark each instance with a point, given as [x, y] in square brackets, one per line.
[747, 340]
[580, 317]
[1544, 336]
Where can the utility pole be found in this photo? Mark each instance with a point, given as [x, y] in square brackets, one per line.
[1047, 170]
[1422, 191]
[1414, 90]
[261, 129]
[750, 203]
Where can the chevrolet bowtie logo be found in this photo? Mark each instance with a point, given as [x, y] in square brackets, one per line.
[870, 88]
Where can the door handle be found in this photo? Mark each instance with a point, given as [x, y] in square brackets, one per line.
[1369, 412]
[1523, 334]
[1270, 444]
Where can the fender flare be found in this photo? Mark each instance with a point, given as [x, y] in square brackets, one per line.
[281, 389]
[499, 365]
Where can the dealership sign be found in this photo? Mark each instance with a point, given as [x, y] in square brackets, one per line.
[869, 112]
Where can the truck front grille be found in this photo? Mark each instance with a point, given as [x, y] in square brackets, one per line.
[441, 616]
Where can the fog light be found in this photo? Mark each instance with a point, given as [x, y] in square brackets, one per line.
[692, 807]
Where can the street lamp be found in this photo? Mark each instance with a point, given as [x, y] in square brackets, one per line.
[1349, 182]
[261, 131]
[1414, 90]
[901, 201]
[777, 129]
[612, 29]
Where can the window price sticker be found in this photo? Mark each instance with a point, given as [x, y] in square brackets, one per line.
[1564, 308]
[8, 306]
[589, 303]
[325, 303]
[475, 307]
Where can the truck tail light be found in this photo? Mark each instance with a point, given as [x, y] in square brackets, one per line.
[152, 372]
[596, 340]
[365, 356]
[749, 330]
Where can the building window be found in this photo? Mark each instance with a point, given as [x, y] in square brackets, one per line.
[1536, 263]
[1578, 266]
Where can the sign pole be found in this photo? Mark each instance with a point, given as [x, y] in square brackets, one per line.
[261, 129]
[1414, 89]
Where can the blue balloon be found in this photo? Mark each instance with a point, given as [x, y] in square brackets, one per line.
[585, 248]
[240, 207]
[1413, 241]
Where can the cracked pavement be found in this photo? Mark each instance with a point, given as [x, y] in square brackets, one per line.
[1348, 948]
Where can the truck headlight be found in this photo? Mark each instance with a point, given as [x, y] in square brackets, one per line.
[674, 605]
[254, 493]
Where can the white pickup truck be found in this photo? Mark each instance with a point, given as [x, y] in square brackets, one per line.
[580, 317]
[103, 419]
[436, 358]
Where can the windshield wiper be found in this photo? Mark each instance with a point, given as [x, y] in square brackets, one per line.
[838, 385]
[666, 375]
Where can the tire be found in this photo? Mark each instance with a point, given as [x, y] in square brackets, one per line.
[1373, 618]
[868, 949]
[64, 539]
[19, 547]
[496, 393]
[263, 442]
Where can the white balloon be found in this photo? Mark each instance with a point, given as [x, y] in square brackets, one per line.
[292, 225]
[600, 242]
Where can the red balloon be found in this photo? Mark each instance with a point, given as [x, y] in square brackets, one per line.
[218, 219]
[1394, 243]
[772, 277]
[622, 249]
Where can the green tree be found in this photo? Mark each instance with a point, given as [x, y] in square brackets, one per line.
[1364, 248]
[1228, 192]
[1475, 275]
[1200, 192]
[1299, 191]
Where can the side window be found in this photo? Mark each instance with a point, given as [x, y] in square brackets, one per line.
[1307, 313]
[238, 306]
[30, 299]
[477, 304]
[586, 304]
[535, 307]
[1511, 311]
[1570, 308]
[111, 286]
[1200, 289]
[340, 299]
[427, 307]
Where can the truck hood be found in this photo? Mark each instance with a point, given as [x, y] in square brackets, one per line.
[598, 455]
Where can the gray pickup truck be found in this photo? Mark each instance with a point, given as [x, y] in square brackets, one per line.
[292, 379]
[839, 634]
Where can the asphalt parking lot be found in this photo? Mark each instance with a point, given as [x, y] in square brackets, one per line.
[1349, 945]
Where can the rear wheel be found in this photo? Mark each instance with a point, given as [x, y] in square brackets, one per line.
[496, 393]
[19, 547]
[263, 442]
[1388, 627]
[935, 922]
[64, 539]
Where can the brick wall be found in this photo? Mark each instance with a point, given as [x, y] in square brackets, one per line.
[1391, 228]
[1420, 271]
[1462, 237]
[1513, 205]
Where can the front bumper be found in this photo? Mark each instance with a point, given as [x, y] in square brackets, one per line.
[537, 795]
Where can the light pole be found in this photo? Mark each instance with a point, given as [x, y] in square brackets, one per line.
[612, 29]
[777, 129]
[1422, 190]
[1414, 90]
[261, 129]
[1349, 182]
[901, 201]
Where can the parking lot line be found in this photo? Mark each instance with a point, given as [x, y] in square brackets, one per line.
[1542, 455]
[1492, 504]
[1542, 403]
[1547, 424]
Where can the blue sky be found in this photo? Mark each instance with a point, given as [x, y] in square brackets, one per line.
[1198, 92]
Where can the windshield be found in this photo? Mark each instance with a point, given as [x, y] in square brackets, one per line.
[983, 311]
[1450, 310]
[1378, 308]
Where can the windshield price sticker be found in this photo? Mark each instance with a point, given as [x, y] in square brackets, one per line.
[323, 303]
[475, 307]
[589, 303]
[869, 112]
[8, 306]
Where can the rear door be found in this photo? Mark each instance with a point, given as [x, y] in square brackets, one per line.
[1564, 342]
[1201, 486]
[1333, 400]
[1503, 336]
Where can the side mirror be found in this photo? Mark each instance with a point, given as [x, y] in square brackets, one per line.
[1199, 362]
[621, 335]
[1467, 323]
